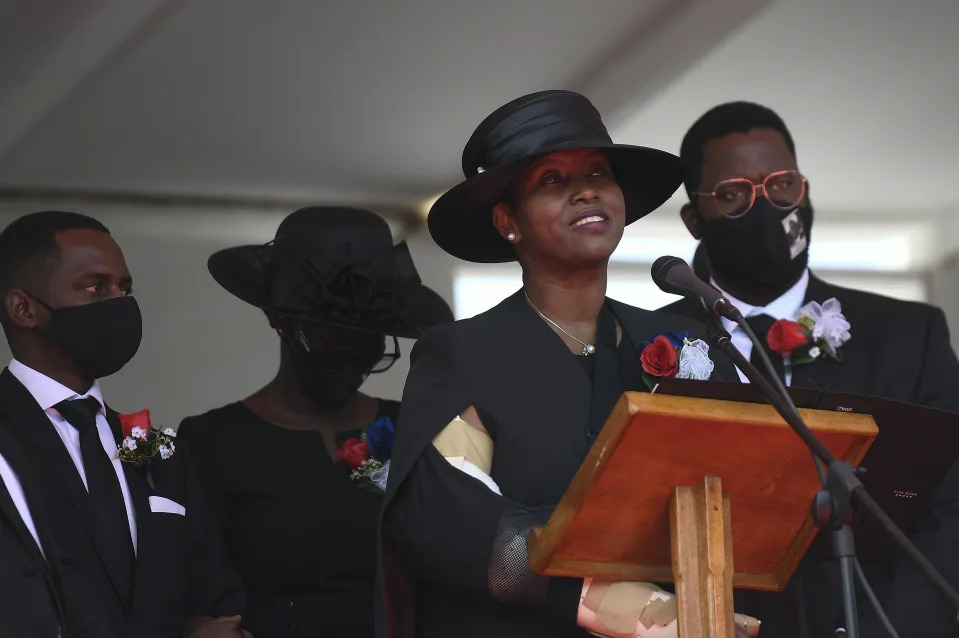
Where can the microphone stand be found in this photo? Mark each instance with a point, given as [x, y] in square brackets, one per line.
[841, 486]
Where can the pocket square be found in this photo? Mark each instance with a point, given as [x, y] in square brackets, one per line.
[165, 505]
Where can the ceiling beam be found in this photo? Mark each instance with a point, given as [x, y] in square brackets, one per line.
[676, 36]
[145, 200]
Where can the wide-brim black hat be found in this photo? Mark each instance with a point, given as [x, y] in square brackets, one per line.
[336, 266]
[513, 136]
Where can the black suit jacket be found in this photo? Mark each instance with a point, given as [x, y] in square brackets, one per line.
[898, 350]
[444, 554]
[181, 569]
[31, 603]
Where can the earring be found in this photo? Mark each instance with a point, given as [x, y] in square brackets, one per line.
[511, 237]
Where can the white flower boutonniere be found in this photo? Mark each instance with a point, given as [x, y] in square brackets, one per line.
[818, 331]
[694, 361]
[141, 441]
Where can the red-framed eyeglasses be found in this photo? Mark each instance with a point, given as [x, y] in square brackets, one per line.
[734, 197]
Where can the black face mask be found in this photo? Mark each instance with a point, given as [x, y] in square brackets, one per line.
[331, 379]
[762, 252]
[100, 337]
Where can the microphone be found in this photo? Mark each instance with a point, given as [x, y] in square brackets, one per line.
[673, 275]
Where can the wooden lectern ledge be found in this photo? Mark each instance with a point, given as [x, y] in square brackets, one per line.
[614, 521]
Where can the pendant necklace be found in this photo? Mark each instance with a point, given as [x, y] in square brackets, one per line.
[588, 348]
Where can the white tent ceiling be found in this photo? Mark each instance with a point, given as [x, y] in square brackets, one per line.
[367, 101]
[370, 102]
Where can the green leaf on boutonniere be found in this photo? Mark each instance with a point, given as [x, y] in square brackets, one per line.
[650, 381]
[831, 352]
[800, 359]
[806, 322]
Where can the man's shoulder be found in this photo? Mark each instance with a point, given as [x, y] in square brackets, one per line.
[684, 307]
[867, 305]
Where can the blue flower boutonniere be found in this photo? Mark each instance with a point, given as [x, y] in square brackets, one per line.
[368, 457]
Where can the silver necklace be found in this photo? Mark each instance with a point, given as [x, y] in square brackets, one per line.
[588, 348]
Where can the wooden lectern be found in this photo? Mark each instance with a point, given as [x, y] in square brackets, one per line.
[675, 487]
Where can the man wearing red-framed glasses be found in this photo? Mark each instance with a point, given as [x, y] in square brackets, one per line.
[749, 206]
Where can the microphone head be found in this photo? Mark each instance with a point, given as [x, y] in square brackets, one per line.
[662, 266]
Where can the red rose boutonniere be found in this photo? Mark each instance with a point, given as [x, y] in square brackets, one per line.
[368, 457]
[352, 453]
[141, 441]
[786, 336]
[671, 355]
[659, 358]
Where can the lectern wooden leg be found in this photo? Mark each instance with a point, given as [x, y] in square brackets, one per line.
[702, 550]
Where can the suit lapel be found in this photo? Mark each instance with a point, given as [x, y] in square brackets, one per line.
[822, 373]
[32, 423]
[640, 326]
[139, 486]
[49, 559]
[9, 511]
[606, 382]
[138, 483]
[26, 417]
[637, 332]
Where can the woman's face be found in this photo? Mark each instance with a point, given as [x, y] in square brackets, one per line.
[568, 210]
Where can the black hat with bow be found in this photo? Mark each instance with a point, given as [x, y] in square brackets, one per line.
[509, 140]
[336, 266]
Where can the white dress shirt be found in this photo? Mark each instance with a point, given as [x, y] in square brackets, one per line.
[15, 489]
[48, 393]
[782, 307]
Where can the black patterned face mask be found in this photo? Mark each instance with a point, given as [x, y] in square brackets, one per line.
[764, 251]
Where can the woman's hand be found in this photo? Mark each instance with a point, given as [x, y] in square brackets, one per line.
[628, 601]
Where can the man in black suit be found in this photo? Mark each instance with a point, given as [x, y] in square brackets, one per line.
[749, 205]
[131, 547]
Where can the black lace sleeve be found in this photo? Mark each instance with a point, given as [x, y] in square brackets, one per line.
[452, 531]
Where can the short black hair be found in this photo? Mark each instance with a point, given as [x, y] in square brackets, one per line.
[29, 243]
[720, 121]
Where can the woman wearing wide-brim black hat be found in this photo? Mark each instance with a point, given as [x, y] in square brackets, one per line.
[277, 465]
[500, 409]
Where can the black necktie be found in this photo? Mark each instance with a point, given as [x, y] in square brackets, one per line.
[761, 325]
[104, 488]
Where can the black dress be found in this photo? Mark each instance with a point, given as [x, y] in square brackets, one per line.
[454, 560]
[298, 530]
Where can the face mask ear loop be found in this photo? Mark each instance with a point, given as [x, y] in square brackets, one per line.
[39, 300]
